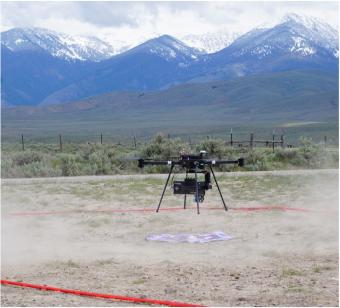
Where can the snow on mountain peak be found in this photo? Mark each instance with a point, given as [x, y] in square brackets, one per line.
[83, 48]
[314, 30]
[300, 35]
[169, 48]
[312, 24]
[210, 42]
[307, 21]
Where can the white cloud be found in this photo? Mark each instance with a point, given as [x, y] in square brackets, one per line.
[132, 20]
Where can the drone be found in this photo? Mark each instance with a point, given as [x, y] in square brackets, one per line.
[193, 164]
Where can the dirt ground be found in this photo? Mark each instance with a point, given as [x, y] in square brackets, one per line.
[60, 232]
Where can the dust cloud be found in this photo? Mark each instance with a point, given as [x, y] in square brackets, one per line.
[265, 243]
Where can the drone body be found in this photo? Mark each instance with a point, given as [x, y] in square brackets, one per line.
[193, 164]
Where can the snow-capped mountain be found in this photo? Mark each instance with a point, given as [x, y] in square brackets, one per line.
[83, 48]
[43, 66]
[210, 42]
[297, 42]
[308, 31]
[168, 48]
[301, 36]
[157, 63]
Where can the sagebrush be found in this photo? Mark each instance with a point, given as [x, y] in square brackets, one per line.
[45, 160]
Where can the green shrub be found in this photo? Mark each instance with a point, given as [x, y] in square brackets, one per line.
[214, 147]
[286, 155]
[42, 168]
[161, 147]
[308, 147]
[69, 166]
[26, 157]
[95, 159]
[39, 169]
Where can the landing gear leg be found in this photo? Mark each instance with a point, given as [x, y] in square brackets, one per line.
[185, 196]
[218, 187]
[197, 194]
[166, 184]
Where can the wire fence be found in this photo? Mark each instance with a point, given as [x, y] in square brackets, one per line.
[277, 141]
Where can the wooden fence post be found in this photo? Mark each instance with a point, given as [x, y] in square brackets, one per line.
[231, 137]
[60, 144]
[282, 141]
[273, 143]
[101, 138]
[325, 140]
[251, 140]
[22, 142]
[134, 142]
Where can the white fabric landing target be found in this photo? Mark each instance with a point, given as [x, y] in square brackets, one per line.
[190, 238]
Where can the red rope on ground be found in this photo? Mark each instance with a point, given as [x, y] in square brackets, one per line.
[243, 209]
[100, 295]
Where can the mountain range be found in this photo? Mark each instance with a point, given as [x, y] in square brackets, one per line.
[44, 67]
[89, 48]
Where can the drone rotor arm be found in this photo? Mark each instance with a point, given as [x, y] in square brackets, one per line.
[144, 162]
[239, 162]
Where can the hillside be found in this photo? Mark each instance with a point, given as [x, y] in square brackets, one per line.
[265, 99]
[29, 76]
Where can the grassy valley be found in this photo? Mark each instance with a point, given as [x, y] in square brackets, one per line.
[294, 103]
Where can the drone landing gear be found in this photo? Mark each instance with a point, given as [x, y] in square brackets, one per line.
[185, 195]
[196, 193]
[166, 184]
[218, 187]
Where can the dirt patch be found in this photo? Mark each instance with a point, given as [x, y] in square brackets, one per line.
[275, 258]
